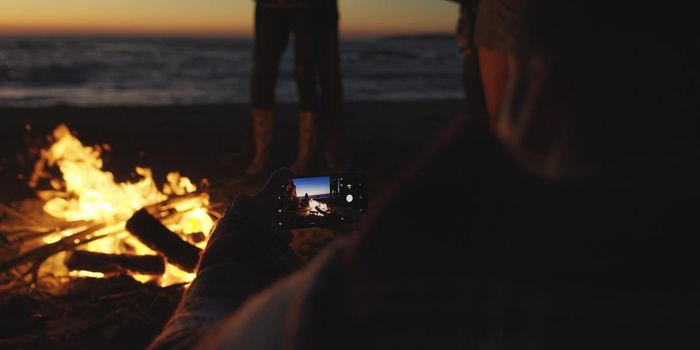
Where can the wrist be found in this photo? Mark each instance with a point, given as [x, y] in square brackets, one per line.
[242, 241]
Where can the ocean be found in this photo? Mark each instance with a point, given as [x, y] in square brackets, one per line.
[39, 72]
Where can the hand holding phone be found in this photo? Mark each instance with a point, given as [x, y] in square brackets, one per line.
[248, 236]
[262, 207]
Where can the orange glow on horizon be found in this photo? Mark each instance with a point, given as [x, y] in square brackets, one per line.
[208, 17]
[144, 30]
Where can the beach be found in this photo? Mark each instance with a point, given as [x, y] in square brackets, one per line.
[178, 104]
[214, 141]
[210, 142]
[181, 105]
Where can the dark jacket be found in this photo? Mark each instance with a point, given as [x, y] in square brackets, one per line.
[471, 253]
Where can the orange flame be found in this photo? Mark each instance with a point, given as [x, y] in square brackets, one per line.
[86, 192]
[314, 207]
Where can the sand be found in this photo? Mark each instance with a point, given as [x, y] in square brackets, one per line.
[214, 142]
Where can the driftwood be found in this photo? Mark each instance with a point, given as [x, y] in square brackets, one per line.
[18, 235]
[153, 234]
[181, 254]
[321, 211]
[114, 264]
[38, 255]
[172, 201]
[17, 215]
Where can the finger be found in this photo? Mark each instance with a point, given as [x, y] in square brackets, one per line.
[276, 180]
[243, 204]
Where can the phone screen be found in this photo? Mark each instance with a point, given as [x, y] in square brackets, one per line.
[321, 200]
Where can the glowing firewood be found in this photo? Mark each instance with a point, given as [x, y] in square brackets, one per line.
[81, 260]
[154, 235]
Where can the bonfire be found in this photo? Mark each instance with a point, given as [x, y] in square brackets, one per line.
[317, 208]
[106, 228]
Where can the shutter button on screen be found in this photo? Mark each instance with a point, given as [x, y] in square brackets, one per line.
[349, 198]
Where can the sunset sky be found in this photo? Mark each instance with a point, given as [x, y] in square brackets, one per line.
[313, 186]
[209, 17]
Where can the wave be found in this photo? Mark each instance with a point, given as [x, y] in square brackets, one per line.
[36, 71]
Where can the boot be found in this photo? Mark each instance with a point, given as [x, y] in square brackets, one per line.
[263, 124]
[308, 142]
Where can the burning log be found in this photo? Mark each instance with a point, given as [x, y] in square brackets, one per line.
[153, 234]
[38, 255]
[91, 205]
[321, 211]
[17, 215]
[172, 201]
[29, 234]
[112, 263]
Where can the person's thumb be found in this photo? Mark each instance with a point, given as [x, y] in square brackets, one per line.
[247, 207]
[276, 181]
[243, 205]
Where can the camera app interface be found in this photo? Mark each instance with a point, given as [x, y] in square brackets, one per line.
[315, 201]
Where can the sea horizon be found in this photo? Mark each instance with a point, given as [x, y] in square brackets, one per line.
[210, 36]
[94, 71]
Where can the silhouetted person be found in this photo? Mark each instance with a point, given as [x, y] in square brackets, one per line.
[331, 84]
[314, 24]
[473, 89]
[571, 227]
[275, 21]
[496, 34]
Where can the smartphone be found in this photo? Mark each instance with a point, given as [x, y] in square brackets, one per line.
[321, 201]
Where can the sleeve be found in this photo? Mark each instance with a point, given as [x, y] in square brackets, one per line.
[216, 293]
[242, 258]
[259, 321]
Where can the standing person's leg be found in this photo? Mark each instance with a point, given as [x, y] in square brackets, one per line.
[494, 78]
[331, 79]
[496, 34]
[473, 89]
[271, 38]
[305, 27]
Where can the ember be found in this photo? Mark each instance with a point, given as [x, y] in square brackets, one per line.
[95, 208]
